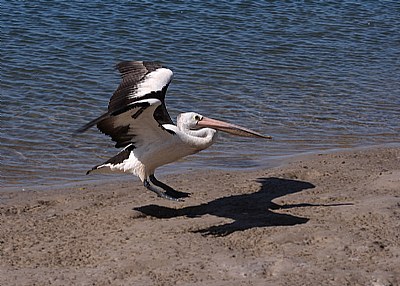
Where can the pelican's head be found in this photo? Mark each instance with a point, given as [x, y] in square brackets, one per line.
[194, 121]
[189, 120]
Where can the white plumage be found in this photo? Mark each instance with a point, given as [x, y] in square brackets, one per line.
[154, 81]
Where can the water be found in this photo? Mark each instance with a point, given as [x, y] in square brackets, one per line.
[314, 75]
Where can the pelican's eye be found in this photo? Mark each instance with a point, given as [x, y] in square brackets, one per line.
[197, 117]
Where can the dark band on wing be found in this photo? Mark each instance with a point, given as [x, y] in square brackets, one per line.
[120, 134]
[142, 105]
[133, 74]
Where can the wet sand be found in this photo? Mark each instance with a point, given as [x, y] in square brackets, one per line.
[323, 219]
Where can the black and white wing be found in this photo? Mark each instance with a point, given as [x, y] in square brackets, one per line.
[135, 128]
[143, 85]
[142, 80]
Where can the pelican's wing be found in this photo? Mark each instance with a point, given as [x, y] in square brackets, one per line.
[142, 80]
[136, 125]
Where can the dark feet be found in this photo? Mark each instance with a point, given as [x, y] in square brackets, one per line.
[165, 193]
[168, 190]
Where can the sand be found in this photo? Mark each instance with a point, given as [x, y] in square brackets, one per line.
[322, 219]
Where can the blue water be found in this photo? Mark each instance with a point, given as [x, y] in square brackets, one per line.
[315, 75]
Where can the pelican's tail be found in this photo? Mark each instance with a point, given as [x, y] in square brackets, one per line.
[116, 163]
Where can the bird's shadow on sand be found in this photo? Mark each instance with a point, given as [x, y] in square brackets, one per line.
[246, 210]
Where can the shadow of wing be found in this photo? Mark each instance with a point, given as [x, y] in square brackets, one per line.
[247, 210]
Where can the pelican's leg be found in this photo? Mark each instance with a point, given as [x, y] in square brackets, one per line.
[159, 192]
[168, 190]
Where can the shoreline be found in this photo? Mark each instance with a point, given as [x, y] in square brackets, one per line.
[327, 218]
[273, 162]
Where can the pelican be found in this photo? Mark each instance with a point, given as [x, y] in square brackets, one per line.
[138, 121]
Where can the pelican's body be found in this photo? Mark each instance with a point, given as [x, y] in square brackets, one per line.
[162, 149]
[138, 121]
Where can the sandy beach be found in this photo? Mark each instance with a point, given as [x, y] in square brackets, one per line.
[322, 219]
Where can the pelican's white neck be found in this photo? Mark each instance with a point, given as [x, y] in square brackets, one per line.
[201, 138]
[197, 138]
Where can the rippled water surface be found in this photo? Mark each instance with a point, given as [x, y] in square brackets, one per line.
[313, 75]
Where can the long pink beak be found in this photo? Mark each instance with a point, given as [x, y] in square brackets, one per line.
[230, 128]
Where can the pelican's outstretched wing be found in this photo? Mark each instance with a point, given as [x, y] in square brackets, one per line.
[142, 80]
[135, 128]
[143, 84]
[136, 125]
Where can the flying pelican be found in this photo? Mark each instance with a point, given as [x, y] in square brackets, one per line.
[138, 121]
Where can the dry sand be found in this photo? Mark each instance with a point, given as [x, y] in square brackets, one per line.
[324, 219]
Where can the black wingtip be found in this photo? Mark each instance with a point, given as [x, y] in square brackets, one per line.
[91, 123]
[83, 128]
